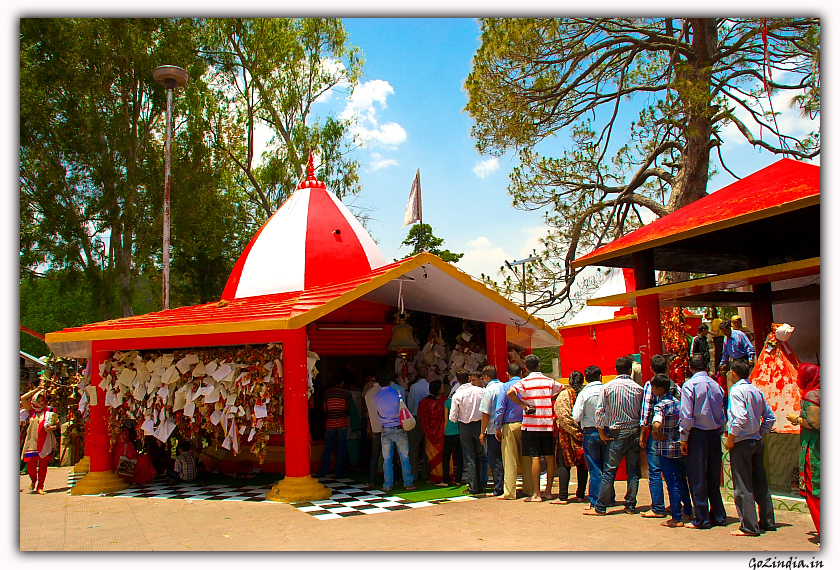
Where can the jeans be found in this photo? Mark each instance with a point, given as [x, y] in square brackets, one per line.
[375, 454]
[657, 493]
[595, 452]
[751, 487]
[473, 453]
[624, 445]
[703, 464]
[673, 471]
[334, 437]
[564, 475]
[391, 437]
[452, 450]
[416, 449]
[494, 458]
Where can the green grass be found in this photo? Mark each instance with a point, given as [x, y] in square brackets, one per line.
[424, 492]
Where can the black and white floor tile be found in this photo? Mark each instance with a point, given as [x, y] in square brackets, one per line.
[348, 499]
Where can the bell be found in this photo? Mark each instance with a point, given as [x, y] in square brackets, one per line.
[402, 338]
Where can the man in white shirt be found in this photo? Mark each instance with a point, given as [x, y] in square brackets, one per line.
[595, 450]
[466, 410]
[416, 393]
[374, 428]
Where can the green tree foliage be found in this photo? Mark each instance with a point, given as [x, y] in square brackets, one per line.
[420, 238]
[682, 79]
[270, 71]
[91, 151]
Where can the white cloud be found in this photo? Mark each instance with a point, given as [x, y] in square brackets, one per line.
[390, 134]
[485, 167]
[332, 67]
[382, 163]
[480, 243]
[367, 100]
[790, 120]
[533, 241]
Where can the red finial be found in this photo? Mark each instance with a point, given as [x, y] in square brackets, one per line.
[311, 181]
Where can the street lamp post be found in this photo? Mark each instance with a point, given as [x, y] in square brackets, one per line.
[522, 262]
[170, 77]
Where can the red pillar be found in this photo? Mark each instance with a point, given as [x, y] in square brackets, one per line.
[649, 319]
[298, 484]
[100, 442]
[497, 355]
[762, 315]
[100, 478]
[295, 404]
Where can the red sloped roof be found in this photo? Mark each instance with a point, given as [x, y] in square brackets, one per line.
[781, 187]
[237, 315]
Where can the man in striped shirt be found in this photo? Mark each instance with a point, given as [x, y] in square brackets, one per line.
[617, 419]
[535, 393]
[337, 406]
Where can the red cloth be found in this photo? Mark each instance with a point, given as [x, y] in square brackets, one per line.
[812, 501]
[144, 471]
[37, 469]
[808, 380]
[432, 415]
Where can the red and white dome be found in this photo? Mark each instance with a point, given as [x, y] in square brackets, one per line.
[312, 240]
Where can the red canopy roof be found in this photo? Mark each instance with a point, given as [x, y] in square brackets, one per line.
[782, 187]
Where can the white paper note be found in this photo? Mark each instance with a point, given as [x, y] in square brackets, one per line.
[189, 409]
[210, 367]
[260, 412]
[183, 366]
[216, 417]
[192, 359]
[221, 372]
[198, 371]
[251, 434]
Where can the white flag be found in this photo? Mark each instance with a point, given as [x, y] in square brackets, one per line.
[414, 209]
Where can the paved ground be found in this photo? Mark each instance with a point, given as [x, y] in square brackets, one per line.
[58, 521]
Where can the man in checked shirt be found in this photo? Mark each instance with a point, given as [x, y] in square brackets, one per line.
[617, 419]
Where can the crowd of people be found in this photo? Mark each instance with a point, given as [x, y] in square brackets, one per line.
[478, 424]
[532, 425]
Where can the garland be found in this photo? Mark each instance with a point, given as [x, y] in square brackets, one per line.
[221, 393]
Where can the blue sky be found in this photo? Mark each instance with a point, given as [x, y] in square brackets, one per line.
[409, 105]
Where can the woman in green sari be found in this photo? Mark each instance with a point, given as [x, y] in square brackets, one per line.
[809, 422]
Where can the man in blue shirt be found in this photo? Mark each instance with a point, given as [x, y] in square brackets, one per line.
[493, 446]
[750, 417]
[387, 402]
[736, 346]
[508, 417]
[595, 451]
[702, 419]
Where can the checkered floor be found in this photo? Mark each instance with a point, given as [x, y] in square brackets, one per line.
[348, 499]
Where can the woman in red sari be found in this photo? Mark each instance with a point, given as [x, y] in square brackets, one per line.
[143, 469]
[432, 416]
[809, 436]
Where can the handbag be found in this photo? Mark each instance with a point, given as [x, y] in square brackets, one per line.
[126, 466]
[407, 421]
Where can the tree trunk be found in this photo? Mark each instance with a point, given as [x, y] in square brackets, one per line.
[694, 87]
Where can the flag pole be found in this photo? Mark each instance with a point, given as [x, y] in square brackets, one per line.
[420, 203]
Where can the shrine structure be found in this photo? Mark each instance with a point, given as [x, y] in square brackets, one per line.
[310, 275]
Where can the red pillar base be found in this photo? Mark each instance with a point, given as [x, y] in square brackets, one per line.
[296, 489]
[83, 466]
[97, 482]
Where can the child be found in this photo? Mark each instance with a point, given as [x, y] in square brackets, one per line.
[185, 468]
[666, 421]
